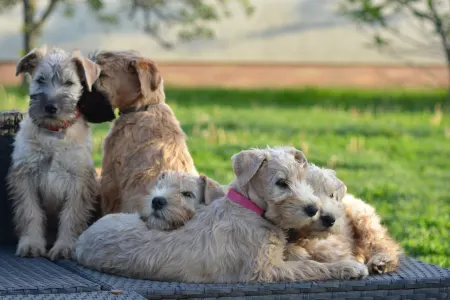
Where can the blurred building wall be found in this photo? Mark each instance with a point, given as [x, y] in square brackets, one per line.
[305, 39]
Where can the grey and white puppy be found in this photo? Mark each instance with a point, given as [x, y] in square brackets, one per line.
[52, 179]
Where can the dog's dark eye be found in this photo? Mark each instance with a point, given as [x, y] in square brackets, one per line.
[187, 194]
[282, 183]
[40, 80]
[332, 195]
[102, 75]
[69, 83]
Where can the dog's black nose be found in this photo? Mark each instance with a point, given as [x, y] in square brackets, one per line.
[311, 210]
[50, 108]
[159, 203]
[328, 220]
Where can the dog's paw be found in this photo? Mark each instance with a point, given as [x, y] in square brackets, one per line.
[350, 269]
[61, 250]
[31, 247]
[381, 263]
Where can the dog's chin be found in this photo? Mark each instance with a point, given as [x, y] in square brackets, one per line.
[157, 223]
[61, 122]
[166, 220]
[321, 233]
[316, 230]
[293, 223]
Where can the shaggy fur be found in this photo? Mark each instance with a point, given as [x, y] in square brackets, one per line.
[372, 243]
[175, 197]
[145, 140]
[52, 177]
[224, 242]
[346, 228]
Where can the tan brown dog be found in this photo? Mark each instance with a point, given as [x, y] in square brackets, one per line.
[145, 140]
[372, 243]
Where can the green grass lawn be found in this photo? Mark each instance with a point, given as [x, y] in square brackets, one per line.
[392, 149]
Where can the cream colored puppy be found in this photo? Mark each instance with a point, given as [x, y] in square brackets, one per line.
[346, 228]
[238, 238]
[175, 197]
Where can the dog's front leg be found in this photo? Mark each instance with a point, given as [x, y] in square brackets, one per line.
[29, 217]
[380, 251]
[384, 256]
[270, 266]
[296, 252]
[330, 250]
[73, 221]
[307, 270]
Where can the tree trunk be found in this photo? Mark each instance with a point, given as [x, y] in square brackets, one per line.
[29, 35]
[447, 103]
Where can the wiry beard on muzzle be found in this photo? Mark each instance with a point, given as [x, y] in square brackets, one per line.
[42, 120]
[49, 122]
[167, 220]
[316, 231]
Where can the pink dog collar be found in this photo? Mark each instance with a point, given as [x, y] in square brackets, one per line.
[243, 201]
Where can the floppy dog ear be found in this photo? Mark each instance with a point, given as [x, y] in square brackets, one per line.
[28, 63]
[93, 104]
[299, 156]
[149, 76]
[246, 163]
[88, 70]
[211, 190]
[341, 190]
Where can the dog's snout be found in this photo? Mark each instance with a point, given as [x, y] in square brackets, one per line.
[328, 220]
[311, 210]
[159, 203]
[50, 109]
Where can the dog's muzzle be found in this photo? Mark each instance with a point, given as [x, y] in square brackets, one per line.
[311, 210]
[159, 203]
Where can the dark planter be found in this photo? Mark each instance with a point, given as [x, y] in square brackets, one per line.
[9, 125]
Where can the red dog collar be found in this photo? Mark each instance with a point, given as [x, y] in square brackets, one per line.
[65, 124]
[243, 201]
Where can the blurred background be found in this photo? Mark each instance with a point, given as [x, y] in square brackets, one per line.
[360, 86]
